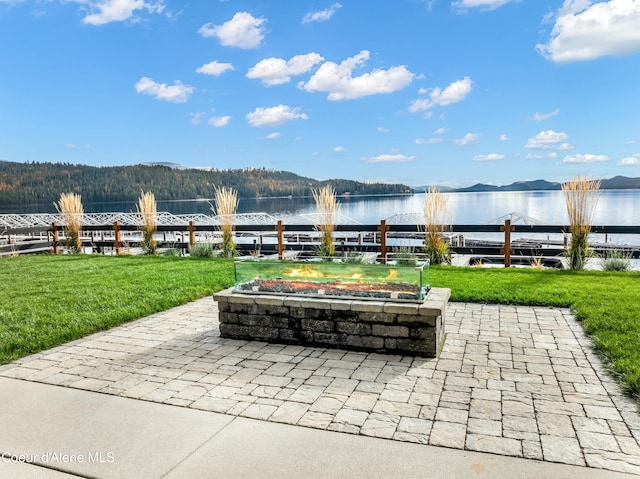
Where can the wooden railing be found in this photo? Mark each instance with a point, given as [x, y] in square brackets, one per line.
[282, 238]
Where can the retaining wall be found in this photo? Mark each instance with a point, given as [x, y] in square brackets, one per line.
[378, 325]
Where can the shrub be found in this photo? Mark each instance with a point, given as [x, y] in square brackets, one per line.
[616, 260]
[202, 250]
[405, 255]
[173, 251]
[353, 257]
[537, 263]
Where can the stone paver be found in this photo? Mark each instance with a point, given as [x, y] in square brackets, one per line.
[511, 380]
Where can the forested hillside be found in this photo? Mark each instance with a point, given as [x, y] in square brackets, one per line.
[27, 183]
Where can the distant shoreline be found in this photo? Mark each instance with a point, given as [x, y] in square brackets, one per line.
[615, 183]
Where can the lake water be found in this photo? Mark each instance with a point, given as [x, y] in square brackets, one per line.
[615, 207]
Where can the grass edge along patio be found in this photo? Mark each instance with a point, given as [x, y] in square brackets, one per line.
[55, 299]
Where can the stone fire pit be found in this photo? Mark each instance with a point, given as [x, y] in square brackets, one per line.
[387, 325]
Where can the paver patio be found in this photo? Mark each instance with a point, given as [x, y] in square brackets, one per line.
[511, 380]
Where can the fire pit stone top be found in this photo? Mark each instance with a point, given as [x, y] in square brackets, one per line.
[432, 304]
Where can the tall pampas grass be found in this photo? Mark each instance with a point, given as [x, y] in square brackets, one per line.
[225, 206]
[70, 210]
[581, 197]
[148, 212]
[435, 210]
[326, 208]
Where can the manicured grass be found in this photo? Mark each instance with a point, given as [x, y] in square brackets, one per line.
[49, 300]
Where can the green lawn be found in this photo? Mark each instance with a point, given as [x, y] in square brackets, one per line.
[48, 300]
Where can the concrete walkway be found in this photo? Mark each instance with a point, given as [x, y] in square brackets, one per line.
[518, 384]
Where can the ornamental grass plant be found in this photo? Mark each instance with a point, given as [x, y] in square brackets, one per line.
[225, 206]
[405, 255]
[202, 250]
[435, 209]
[581, 198]
[149, 215]
[326, 208]
[616, 260]
[70, 210]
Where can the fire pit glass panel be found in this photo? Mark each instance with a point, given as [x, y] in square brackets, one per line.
[333, 279]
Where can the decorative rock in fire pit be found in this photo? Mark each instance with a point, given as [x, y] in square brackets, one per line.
[382, 316]
[334, 288]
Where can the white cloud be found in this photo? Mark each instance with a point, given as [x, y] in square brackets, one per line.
[546, 140]
[339, 149]
[428, 141]
[454, 93]
[504, 137]
[584, 158]
[388, 159]
[490, 157]
[275, 71]
[273, 136]
[545, 116]
[215, 68]
[107, 11]
[176, 93]
[322, 15]
[441, 131]
[219, 121]
[566, 146]
[274, 116]
[631, 142]
[383, 130]
[468, 139]
[337, 79]
[629, 161]
[73, 146]
[535, 156]
[242, 31]
[585, 30]
[196, 118]
[462, 5]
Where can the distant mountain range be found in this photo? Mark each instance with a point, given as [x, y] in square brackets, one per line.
[615, 183]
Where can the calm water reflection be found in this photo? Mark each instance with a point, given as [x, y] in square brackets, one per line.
[616, 207]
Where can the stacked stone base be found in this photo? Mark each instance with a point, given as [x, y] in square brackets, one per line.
[377, 326]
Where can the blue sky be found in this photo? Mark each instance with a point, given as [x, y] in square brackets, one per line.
[411, 91]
